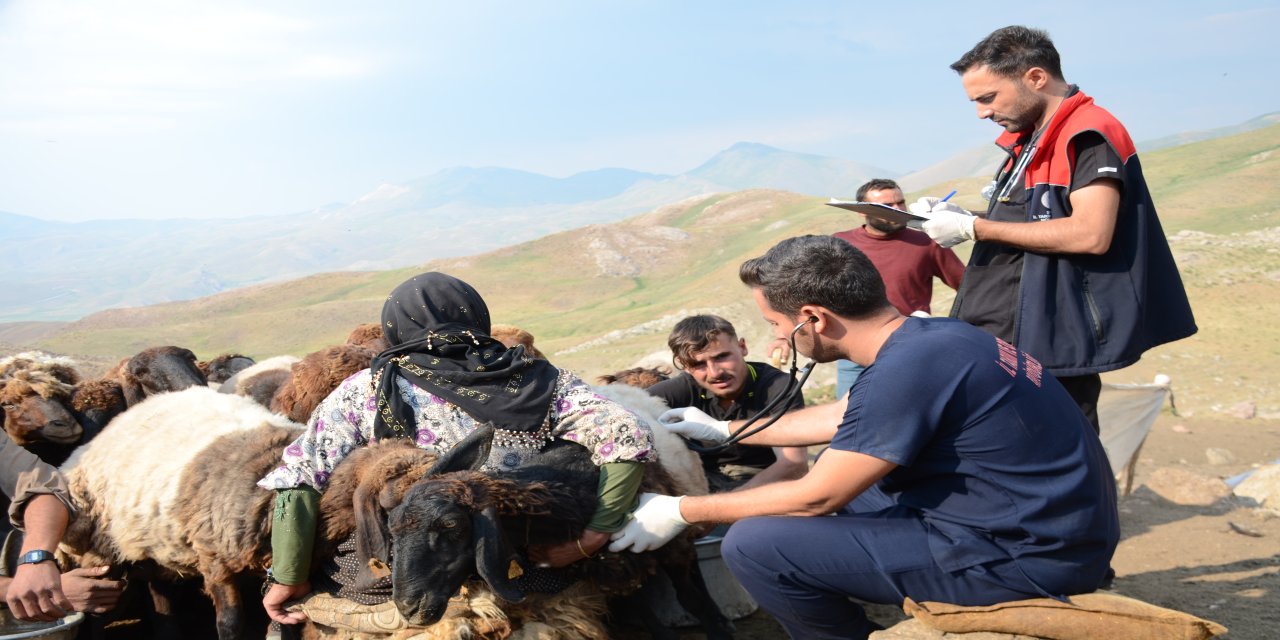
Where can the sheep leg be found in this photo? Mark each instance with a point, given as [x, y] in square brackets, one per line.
[164, 623]
[229, 607]
[693, 594]
[640, 606]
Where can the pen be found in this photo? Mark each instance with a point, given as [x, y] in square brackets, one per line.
[948, 196]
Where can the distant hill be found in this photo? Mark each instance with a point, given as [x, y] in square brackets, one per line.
[603, 296]
[71, 269]
[68, 270]
[978, 161]
[749, 165]
[1260, 122]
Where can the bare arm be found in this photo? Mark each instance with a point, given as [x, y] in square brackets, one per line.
[792, 463]
[835, 480]
[36, 590]
[1088, 230]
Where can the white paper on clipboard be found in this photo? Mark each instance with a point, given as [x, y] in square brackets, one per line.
[879, 211]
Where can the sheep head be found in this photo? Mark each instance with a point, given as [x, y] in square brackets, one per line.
[35, 409]
[160, 369]
[221, 368]
[444, 532]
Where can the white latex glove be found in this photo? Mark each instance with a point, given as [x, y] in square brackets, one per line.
[948, 224]
[695, 424]
[655, 522]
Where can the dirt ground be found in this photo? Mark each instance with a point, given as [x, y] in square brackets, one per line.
[1180, 557]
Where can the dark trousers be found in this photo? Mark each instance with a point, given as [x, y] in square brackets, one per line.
[1085, 390]
[802, 570]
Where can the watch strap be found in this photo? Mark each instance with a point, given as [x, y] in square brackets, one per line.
[37, 556]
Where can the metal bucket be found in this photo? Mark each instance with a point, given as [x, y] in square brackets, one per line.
[733, 600]
[13, 629]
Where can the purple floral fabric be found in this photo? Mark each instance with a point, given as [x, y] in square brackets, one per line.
[344, 421]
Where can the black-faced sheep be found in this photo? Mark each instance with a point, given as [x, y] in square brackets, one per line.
[639, 377]
[159, 370]
[460, 520]
[221, 368]
[314, 377]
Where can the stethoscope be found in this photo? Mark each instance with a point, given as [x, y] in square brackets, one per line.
[749, 428]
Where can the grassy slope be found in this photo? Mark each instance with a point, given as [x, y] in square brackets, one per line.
[557, 288]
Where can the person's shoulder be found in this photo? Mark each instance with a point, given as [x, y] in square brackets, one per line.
[849, 235]
[767, 374]
[923, 333]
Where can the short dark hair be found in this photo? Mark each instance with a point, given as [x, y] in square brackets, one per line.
[1011, 51]
[876, 184]
[820, 270]
[694, 333]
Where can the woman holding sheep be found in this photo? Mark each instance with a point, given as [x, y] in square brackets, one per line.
[442, 377]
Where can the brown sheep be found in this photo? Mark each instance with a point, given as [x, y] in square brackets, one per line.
[35, 399]
[639, 377]
[261, 387]
[512, 335]
[316, 376]
[95, 403]
[370, 336]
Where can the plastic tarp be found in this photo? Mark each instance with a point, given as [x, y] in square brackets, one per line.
[1125, 414]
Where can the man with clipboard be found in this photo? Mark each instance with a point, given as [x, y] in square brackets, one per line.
[907, 259]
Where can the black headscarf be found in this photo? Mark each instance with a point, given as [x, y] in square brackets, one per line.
[438, 327]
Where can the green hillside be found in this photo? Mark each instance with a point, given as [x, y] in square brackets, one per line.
[601, 297]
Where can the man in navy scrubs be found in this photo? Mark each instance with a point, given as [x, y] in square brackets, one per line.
[959, 471]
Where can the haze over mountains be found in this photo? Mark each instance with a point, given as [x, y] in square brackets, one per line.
[68, 270]
[71, 269]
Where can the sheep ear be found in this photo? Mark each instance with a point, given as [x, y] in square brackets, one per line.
[469, 454]
[494, 557]
[133, 391]
[372, 548]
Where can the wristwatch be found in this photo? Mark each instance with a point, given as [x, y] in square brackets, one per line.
[36, 557]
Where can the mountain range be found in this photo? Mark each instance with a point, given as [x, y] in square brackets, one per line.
[68, 270]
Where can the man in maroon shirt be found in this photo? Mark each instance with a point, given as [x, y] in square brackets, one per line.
[907, 260]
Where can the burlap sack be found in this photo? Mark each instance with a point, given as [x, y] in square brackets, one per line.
[1086, 617]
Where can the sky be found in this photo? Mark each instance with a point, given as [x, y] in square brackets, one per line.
[173, 109]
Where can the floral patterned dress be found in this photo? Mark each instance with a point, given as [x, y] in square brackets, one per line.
[344, 421]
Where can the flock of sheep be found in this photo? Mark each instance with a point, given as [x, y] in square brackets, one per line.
[162, 454]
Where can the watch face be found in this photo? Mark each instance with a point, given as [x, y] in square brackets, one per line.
[32, 557]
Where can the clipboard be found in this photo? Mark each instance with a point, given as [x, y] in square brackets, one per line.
[879, 211]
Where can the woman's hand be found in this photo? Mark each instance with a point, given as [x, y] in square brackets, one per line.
[90, 591]
[567, 553]
[279, 594]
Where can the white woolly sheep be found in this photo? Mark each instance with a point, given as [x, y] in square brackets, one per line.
[237, 384]
[145, 494]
